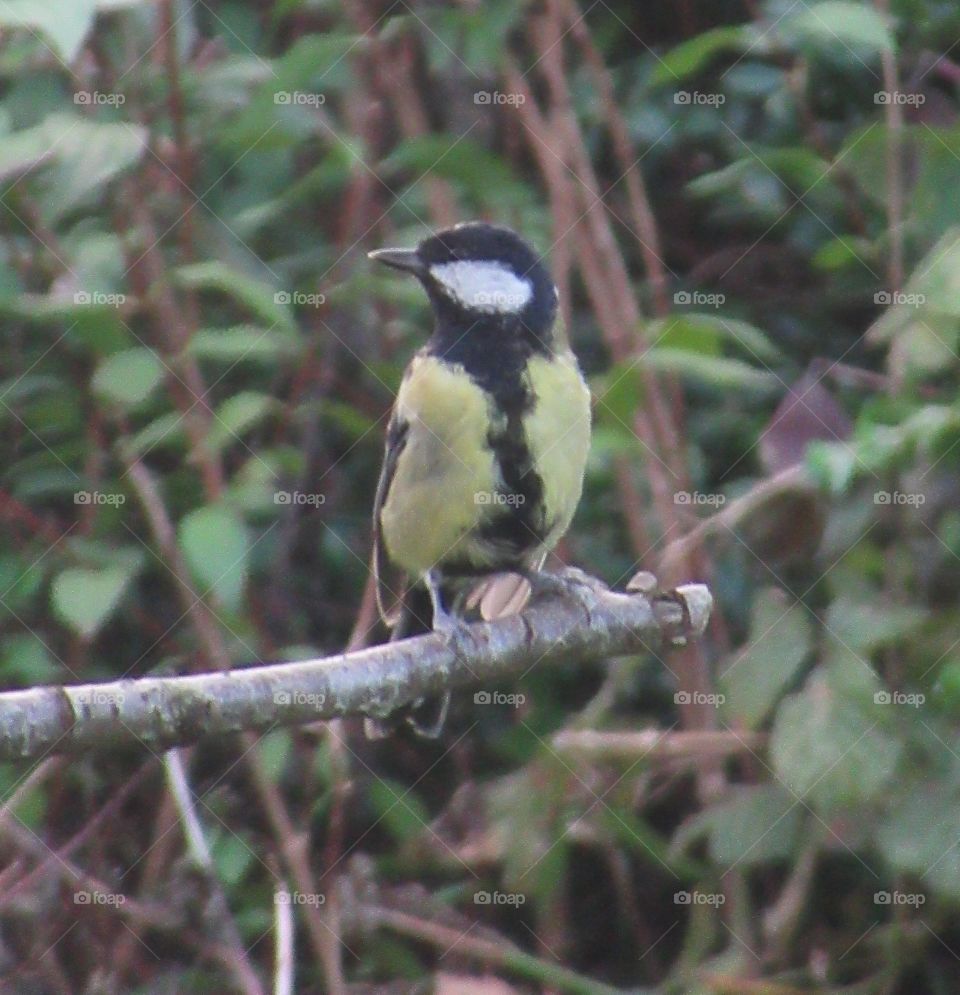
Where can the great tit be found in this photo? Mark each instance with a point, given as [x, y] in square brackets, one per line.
[488, 438]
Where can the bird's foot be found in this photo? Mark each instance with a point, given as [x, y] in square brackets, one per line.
[570, 582]
[425, 716]
[448, 626]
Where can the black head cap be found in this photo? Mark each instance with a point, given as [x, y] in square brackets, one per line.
[482, 275]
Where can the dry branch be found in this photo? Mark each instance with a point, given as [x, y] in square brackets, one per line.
[161, 712]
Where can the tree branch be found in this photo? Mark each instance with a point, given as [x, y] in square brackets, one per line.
[161, 712]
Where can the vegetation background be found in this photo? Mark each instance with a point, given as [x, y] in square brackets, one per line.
[752, 213]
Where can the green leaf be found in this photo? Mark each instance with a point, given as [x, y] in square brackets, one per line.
[31, 809]
[85, 599]
[486, 33]
[217, 549]
[922, 324]
[128, 378]
[26, 660]
[65, 25]
[276, 748]
[832, 465]
[258, 298]
[690, 56]
[88, 154]
[704, 333]
[828, 743]
[468, 164]
[712, 371]
[243, 343]
[237, 415]
[794, 168]
[754, 825]
[618, 394]
[925, 348]
[864, 626]
[232, 856]
[19, 581]
[949, 531]
[17, 391]
[79, 156]
[167, 430]
[317, 61]
[780, 640]
[841, 252]
[401, 810]
[21, 151]
[919, 836]
[838, 22]
[686, 333]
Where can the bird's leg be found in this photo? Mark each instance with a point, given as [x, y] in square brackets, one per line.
[428, 715]
[447, 624]
[444, 623]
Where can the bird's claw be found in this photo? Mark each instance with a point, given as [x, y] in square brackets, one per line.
[571, 582]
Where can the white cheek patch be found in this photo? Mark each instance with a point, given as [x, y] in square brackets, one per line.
[483, 286]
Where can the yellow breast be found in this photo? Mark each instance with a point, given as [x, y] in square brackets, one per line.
[433, 500]
[558, 434]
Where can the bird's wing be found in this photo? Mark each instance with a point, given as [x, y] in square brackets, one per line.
[387, 595]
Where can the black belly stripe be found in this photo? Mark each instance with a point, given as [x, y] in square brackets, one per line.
[495, 358]
[518, 525]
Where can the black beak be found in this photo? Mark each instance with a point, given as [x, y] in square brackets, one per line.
[405, 259]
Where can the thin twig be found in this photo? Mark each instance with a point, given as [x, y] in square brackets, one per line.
[653, 745]
[233, 953]
[552, 977]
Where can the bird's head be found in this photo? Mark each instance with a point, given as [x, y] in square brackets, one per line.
[478, 274]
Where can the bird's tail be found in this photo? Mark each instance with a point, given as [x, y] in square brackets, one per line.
[426, 716]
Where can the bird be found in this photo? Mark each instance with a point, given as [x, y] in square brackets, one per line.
[487, 441]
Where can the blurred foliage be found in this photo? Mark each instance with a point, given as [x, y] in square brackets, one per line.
[196, 369]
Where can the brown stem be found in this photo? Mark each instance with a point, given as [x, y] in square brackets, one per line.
[893, 114]
[290, 842]
[647, 233]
